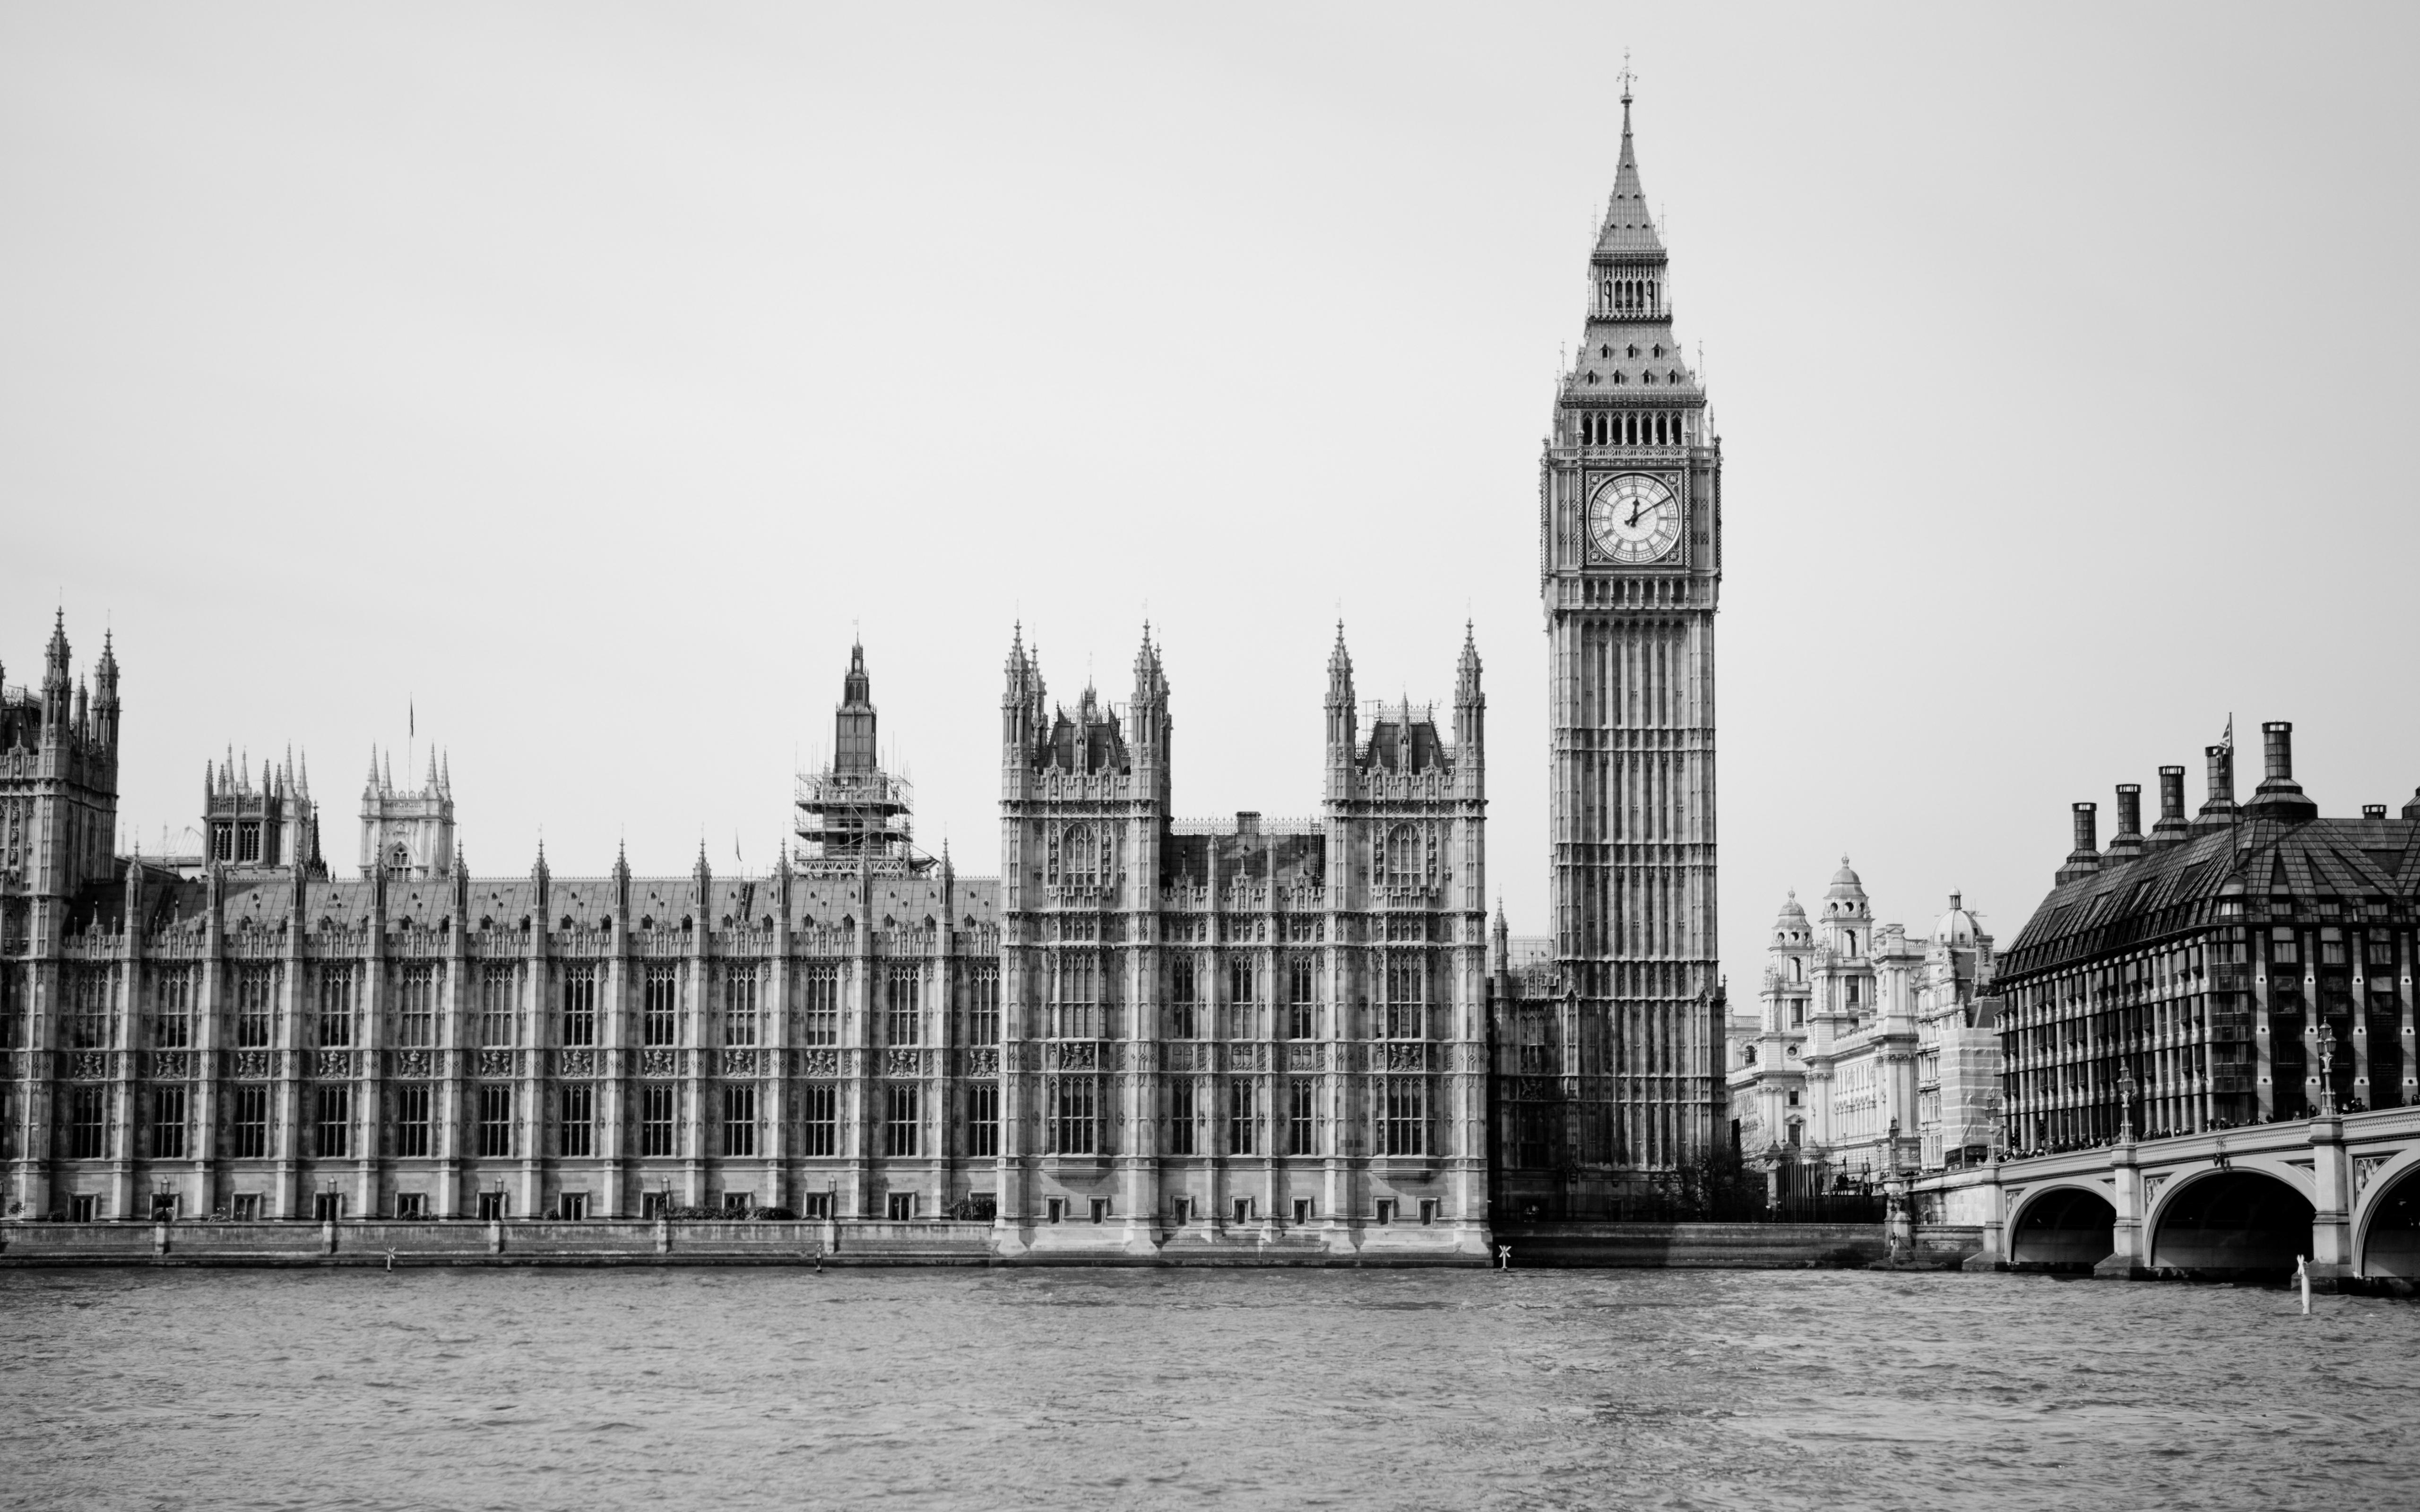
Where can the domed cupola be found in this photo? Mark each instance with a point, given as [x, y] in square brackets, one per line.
[1957, 927]
[1790, 925]
[1846, 897]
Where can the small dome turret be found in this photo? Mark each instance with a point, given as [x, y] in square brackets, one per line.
[1790, 925]
[1846, 897]
[1957, 927]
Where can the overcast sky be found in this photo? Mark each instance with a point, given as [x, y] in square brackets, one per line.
[578, 377]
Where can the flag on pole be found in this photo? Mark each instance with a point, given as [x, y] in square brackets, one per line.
[2227, 741]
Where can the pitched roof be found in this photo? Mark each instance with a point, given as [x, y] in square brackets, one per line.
[1629, 231]
[2176, 887]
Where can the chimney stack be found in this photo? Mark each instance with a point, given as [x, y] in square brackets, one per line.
[2086, 858]
[2279, 796]
[2171, 828]
[2128, 842]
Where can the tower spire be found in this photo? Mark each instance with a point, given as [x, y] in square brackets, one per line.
[1629, 228]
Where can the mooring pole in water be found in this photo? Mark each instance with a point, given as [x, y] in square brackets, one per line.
[2302, 1273]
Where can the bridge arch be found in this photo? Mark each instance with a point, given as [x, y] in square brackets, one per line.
[2062, 1228]
[2239, 1222]
[2386, 1221]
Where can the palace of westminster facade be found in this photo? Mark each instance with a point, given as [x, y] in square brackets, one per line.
[1144, 1033]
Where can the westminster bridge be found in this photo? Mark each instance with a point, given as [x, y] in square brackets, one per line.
[2341, 1189]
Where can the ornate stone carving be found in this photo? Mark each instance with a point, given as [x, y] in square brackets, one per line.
[170, 1064]
[88, 1065]
[1408, 1057]
[251, 1063]
[819, 1062]
[659, 1062]
[2366, 1167]
[897, 1062]
[334, 1065]
[1304, 1057]
[576, 1062]
[983, 1062]
[739, 1063]
[414, 1063]
[495, 1063]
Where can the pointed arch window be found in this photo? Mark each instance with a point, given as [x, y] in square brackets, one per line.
[1079, 856]
[1405, 860]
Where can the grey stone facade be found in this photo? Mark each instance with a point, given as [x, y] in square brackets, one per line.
[1236, 1036]
[1618, 1073]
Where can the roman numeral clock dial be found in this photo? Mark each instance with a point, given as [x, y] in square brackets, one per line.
[1633, 518]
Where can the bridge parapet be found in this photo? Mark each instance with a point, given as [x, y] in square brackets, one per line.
[2343, 1165]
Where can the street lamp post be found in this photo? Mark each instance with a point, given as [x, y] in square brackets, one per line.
[2127, 1087]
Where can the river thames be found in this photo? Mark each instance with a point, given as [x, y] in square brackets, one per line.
[983, 1389]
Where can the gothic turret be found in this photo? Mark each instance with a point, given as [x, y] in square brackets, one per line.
[271, 823]
[1469, 712]
[1147, 715]
[405, 832]
[853, 723]
[105, 704]
[853, 812]
[1343, 720]
[1018, 701]
[55, 687]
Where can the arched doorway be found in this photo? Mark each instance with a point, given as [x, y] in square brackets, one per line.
[2065, 1228]
[2233, 1223]
[2391, 1245]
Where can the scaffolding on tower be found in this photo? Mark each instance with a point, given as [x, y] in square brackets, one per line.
[852, 814]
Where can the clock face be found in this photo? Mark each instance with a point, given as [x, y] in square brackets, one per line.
[1633, 518]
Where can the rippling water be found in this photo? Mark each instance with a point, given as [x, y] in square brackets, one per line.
[749, 1388]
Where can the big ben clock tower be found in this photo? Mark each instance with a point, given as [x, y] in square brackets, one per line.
[1630, 516]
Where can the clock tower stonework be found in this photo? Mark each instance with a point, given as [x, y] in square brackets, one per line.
[1630, 520]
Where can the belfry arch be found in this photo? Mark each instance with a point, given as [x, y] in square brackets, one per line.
[2064, 1228]
[2390, 1240]
[2232, 1222]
